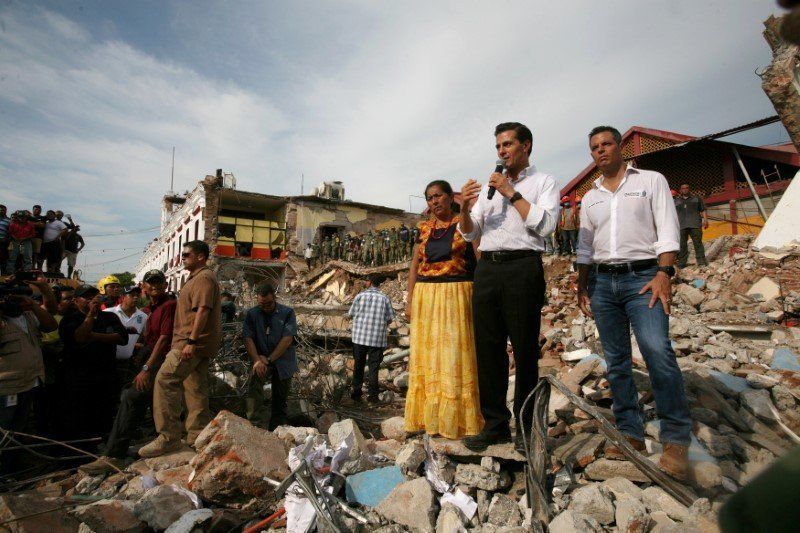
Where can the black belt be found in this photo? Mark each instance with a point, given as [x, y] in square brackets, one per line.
[621, 268]
[502, 256]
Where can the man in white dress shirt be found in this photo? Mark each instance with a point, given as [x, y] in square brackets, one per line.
[626, 251]
[509, 287]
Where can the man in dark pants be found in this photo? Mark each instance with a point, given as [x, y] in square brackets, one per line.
[269, 329]
[371, 313]
[139, 393]
[693, 220]
[509, 287]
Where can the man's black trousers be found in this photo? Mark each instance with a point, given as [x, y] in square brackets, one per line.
[507, 303]
[362, 356]
[130, 416]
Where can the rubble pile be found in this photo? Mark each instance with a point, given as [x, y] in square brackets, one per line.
[737, 345]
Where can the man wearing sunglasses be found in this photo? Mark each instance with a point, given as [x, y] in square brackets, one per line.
[184, 373]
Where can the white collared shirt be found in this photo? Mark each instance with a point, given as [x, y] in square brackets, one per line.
[499, 224]
[137, 321]
[637, 221]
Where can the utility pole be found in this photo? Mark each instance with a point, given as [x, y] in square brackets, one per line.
[172, 174]
[302, 180]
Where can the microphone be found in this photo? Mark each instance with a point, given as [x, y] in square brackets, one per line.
[501, 166]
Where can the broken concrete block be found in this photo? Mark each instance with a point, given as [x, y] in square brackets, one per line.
[727, 384]
[410, 458]
[764, 289]
[389, 448]
[603, 469]
[572, 522]
[477, 476]
[705, 416]
[401, 381]
[620, 486]
[191, 521]
[357, 459]
[707, 475]
[504, 511]
[110, 515]
[580, 449]
[233, 457]
[451, 520]
[455, 448]
[371, 487]
[575, 355]
[656, 499]
[412, 504]
[631, 515]
[295, 435]
[162, 505]
[594, 501]
[716, 444]
[783, 398]
[758, 402]
[761, 381]
[690, 295]
[394, 428]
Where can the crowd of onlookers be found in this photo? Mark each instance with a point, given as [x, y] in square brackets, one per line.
[29, 240]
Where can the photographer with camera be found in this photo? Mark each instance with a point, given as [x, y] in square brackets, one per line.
[22, 322]
[89, 387]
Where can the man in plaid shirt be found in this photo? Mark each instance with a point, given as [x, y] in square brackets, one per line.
[371, 313]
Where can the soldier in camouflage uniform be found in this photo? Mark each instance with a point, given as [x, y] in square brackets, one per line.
[315, 253]
[394, 250]
[366, 245]
[326, 249]
[414, 236]
[405, 237]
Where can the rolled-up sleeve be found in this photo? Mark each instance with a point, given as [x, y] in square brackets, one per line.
[542, 217]
[665, 217]
[585, 239]
[476, 214]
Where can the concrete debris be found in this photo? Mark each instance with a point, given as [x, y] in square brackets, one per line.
[736, 342]
[595, 501]
[233, 458]
[412, 504]
[161, 506]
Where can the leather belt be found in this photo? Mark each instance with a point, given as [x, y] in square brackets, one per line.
[621, 268]
[502, 256]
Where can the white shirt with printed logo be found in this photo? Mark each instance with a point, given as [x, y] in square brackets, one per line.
[637, 221]
[137, 321]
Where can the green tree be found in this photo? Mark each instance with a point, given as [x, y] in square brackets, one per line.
[125, 278]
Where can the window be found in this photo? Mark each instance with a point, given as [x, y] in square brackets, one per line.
[197, 229]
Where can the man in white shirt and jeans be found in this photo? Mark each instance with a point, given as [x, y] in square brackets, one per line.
[508, 292]
[626, 251]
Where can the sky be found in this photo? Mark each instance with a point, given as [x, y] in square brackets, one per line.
[382, 96]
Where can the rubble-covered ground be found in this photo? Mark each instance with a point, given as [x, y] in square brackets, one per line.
[732, 330]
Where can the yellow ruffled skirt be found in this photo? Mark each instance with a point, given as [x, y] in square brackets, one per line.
[442, 393]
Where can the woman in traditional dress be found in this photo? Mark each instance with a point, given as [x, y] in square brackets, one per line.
[442, 394]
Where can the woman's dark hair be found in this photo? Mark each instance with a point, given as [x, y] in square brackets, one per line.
[447, 189]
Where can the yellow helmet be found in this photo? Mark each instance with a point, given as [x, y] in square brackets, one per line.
[105, 281]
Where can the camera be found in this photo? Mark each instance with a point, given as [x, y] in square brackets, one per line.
[17, 286]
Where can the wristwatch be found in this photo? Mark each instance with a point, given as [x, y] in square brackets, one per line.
[191, 342]
[145, 367]
[668, 270]
[514, 197]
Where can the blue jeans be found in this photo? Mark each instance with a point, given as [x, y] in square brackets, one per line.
[20, 247]
[617, 305]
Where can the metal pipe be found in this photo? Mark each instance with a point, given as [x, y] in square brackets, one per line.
[750, 183]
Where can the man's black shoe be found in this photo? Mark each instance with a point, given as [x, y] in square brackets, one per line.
[481, 441]
[373, 399]
[356, 398]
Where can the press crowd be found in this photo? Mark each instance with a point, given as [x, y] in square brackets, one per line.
[29, 240]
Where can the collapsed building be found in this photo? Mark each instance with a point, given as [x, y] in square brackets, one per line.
[255, 236]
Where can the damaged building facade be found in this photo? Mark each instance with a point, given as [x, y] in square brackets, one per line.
[254, 236]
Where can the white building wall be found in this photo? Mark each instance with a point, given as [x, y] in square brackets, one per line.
[166, 249]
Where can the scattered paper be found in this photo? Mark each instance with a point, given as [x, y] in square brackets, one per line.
[463, 501]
